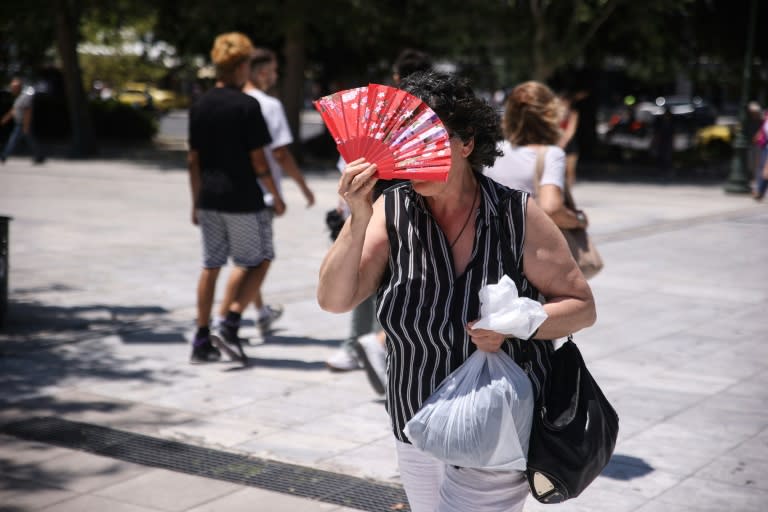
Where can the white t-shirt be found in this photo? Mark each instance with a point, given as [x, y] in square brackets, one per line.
[22, 102]
[516, 168]
[277, 124]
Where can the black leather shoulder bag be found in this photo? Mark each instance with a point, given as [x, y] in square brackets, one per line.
[574, 426]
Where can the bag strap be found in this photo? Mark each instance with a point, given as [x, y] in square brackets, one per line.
[508, 263]
[538, 170]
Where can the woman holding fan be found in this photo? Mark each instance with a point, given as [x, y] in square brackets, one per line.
[426, 248]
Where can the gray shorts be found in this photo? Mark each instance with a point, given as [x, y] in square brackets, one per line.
[247, 237]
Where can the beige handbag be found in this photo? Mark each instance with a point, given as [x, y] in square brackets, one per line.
[583, 249]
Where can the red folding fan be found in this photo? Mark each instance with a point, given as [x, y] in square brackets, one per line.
[389, 127]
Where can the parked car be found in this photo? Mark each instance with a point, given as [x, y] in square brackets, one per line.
[717, 138]
[632, 127]
[146, 96]
[714, 134]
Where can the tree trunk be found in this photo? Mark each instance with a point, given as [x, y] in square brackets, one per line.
[541, 66]
[293, 82]
[67, 23]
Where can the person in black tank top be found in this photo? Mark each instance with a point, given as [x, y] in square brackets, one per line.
[426, 249]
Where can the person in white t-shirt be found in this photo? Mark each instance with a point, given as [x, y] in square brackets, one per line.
[523, 160]
[263, 77]
[21, 114]
[531, 132]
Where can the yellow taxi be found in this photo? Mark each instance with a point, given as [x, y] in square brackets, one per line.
[716, 133]
[144, 95]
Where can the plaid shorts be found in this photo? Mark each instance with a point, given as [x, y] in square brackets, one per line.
[246, 237]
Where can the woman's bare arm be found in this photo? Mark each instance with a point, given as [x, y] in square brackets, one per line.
[550, 199]
[352, 269]
[549, 266]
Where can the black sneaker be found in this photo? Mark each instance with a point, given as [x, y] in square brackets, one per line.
[228, 334]
[204, 352]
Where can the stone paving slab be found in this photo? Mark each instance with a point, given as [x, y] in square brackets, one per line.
[103, 268]
[244, 500]
[167, 490]
[83, 472]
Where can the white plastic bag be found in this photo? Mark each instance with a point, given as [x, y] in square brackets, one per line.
[503, 311]
[479, 417]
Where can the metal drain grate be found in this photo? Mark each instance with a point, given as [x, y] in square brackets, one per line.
[300, 481]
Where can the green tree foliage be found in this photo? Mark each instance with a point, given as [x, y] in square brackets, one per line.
[119, 69]
[112, 36]
[650, 37]
[341, 43]
[25, 38]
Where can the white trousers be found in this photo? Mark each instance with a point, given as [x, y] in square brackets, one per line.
[433, 486]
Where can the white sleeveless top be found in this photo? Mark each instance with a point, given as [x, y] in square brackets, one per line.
[516, 168]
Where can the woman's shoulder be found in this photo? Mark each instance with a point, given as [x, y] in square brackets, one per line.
[530, 150]
[517, 158]
[394, 186]
[554, 151]
[500, 192]
[399, 190]
[514, 150]
[383, 186]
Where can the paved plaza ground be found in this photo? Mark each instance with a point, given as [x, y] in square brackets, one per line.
[103, 268]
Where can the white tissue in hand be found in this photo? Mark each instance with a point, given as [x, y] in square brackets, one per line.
[503, 311]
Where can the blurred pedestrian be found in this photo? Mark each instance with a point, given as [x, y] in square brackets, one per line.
[21, 113]
[227, 168]
[664, 139]
[365, 346]
[760, 142]
[569, 124]
[262, 78]
[427, 248]
[752, 125]
[409, 61]
[532, 159]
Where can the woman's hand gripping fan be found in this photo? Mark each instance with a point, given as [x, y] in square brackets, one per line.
[481, 414]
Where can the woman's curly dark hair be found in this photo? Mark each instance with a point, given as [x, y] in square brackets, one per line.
[463, 113]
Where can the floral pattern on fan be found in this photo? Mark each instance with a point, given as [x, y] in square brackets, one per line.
[389, 127]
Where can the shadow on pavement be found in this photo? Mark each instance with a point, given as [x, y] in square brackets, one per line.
[300, 340]
[25, 478]
[48, 406]
[44, 346]
[31, 477]
[34, 325]
[25, 377]
[626, 467]
[280, 364]
[169, 334]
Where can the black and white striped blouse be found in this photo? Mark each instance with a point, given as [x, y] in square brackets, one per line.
[423, 306]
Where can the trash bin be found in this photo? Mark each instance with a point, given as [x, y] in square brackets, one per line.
[3, 267]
